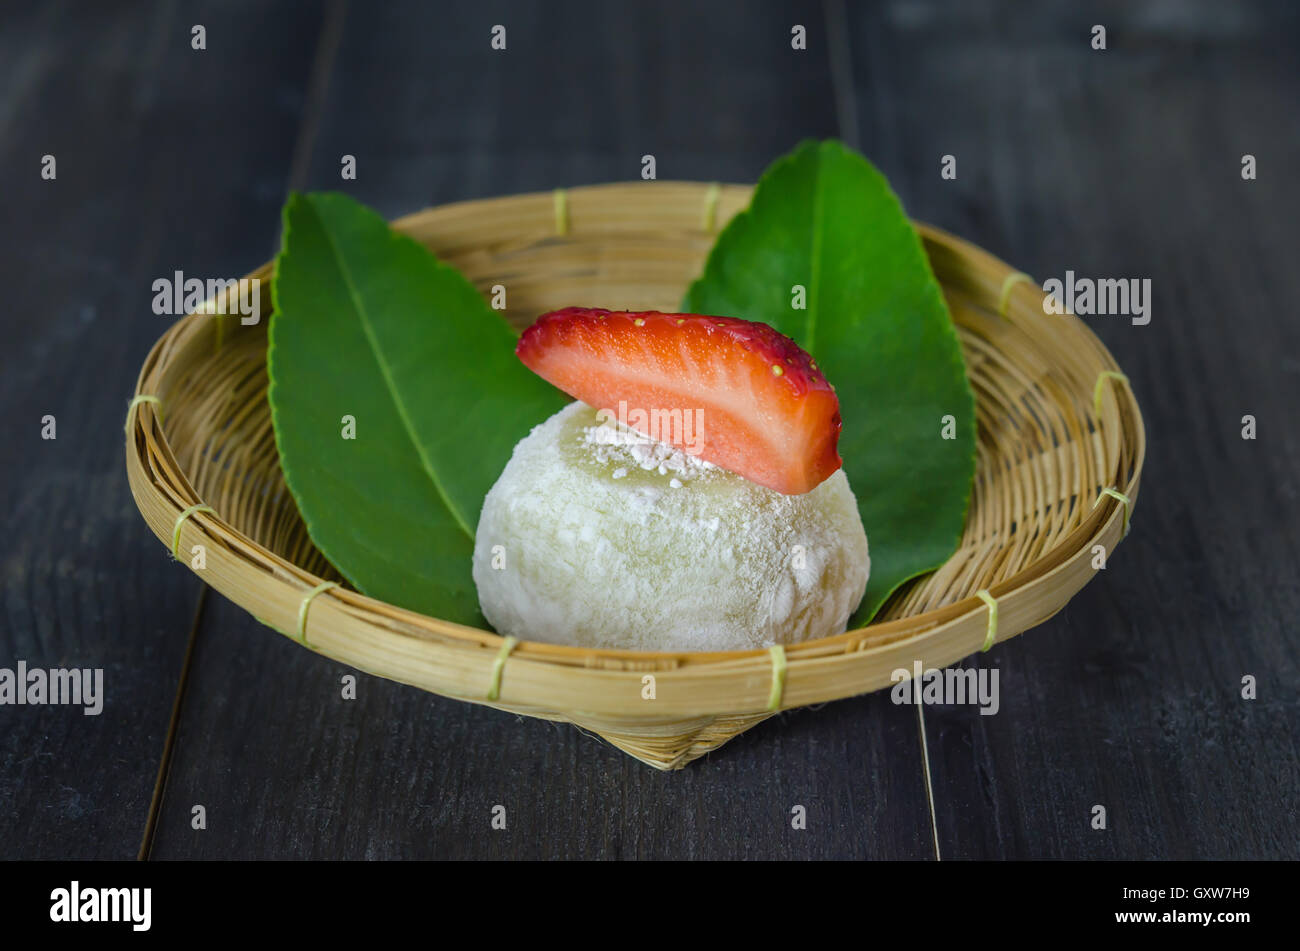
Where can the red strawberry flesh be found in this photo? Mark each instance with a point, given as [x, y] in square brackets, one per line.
[766, 411]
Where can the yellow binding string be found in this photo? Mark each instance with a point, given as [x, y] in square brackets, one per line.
[1010, 281]
[306, 603]
[711, 206]
[136, 401]
[991, 636]
[180, 520]
[1118, 496]
[778, 677]
[499, 664]
[561, 199]
[1102, 377]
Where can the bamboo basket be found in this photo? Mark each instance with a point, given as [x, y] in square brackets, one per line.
[1060, 447]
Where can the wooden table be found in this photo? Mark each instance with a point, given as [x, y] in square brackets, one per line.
[1123, 162]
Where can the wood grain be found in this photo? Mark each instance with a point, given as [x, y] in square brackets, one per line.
[163, 163]
[288, 769]
[1122, 163]
[1127, 163]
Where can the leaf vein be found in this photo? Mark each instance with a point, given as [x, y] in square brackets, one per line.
[384, 369]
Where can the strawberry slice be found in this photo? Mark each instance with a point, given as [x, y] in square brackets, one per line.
[734, 392]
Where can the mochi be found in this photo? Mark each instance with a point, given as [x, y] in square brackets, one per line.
[597, 536]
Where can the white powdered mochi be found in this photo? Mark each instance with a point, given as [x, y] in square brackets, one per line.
[599, 537]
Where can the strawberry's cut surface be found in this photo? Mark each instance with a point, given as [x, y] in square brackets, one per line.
[764, 409]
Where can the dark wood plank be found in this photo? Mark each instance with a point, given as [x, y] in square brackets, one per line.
[167, 158]
[284, 766]
[1126, 163]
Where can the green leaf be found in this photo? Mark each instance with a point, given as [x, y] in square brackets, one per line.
[824, 218]
[369, 324]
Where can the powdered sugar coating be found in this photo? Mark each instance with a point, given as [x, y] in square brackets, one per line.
[624, 542]
[607, 441]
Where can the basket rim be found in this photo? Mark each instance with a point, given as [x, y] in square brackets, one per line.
[145, 436]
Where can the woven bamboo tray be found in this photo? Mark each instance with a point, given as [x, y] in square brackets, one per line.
[1060, 446]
